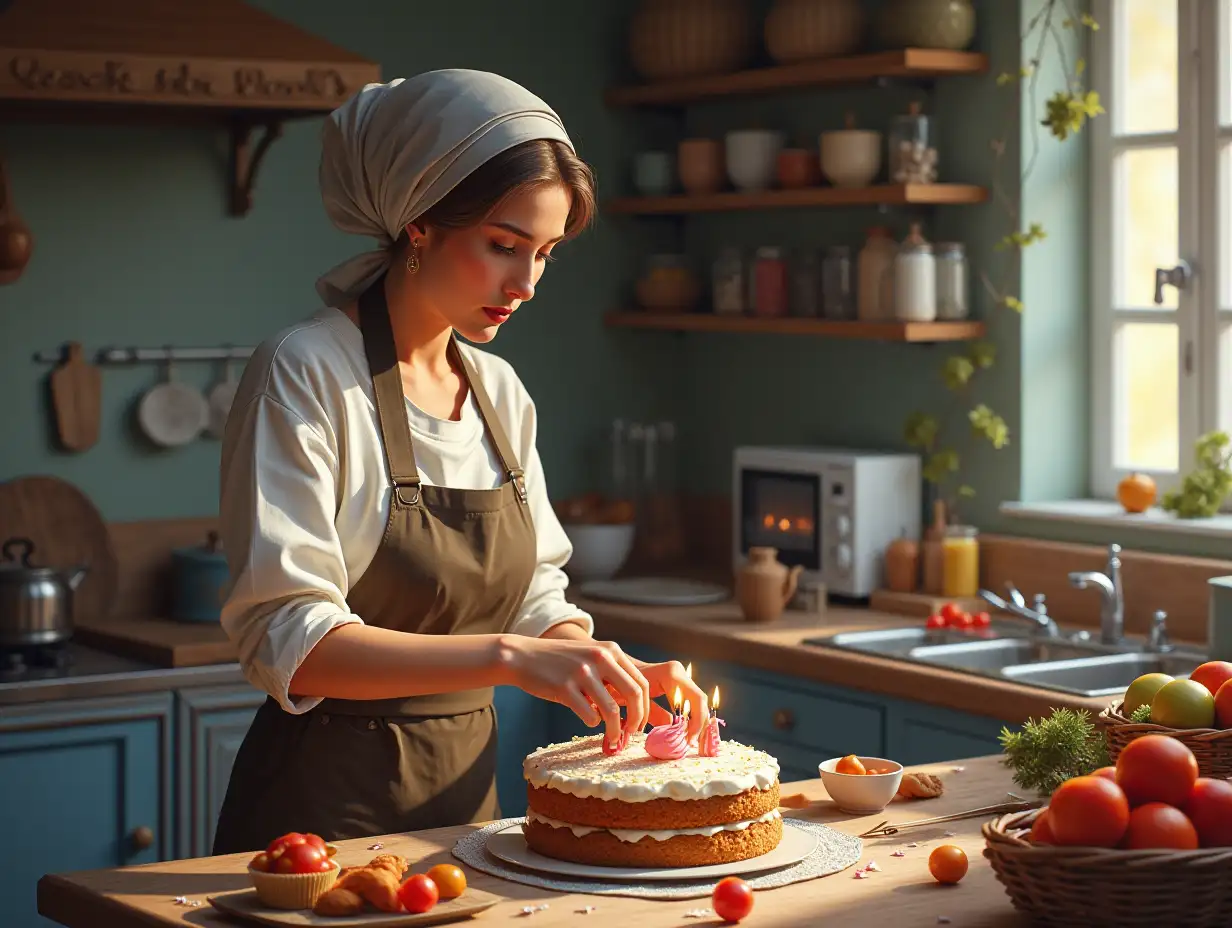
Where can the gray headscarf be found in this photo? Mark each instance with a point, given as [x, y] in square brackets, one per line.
[394, 150]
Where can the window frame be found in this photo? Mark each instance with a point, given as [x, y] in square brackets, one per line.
[1202, 66]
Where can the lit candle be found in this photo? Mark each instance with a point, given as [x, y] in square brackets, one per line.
[670, 742]
[708, 744]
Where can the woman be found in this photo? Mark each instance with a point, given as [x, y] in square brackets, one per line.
[392, 549]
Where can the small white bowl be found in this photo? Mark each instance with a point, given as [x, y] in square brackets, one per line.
[599, 551]
[850, 157]
[752, 157]
[862, 794]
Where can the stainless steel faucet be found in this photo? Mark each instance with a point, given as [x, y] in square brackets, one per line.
[1017, 605]
[1112, 596]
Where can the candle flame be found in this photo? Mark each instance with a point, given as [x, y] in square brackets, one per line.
[714, 701]
[688, 671]
[687, 709]
[676, 699]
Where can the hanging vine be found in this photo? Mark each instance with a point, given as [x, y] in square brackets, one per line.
[1064, 113]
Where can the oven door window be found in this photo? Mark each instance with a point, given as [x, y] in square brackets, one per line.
[779, 510]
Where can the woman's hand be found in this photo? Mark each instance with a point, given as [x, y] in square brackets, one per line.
[663, 679]
[593, 678]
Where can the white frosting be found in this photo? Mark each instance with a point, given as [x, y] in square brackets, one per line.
[580, 768]
[632, 836]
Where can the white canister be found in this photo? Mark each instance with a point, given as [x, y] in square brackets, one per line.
[915, 279]
[874, 273]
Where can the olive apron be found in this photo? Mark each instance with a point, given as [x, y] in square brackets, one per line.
[451, 562]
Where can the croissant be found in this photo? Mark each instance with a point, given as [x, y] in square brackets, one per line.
[377, 885]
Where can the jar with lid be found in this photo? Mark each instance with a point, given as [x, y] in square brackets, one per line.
[915, 279]
[805, 283]
[837, 284]
[728, 283]
[769, 282]
[912, 159]
[951, 281]
[874, 275]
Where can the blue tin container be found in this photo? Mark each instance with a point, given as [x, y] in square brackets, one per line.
[199, 582]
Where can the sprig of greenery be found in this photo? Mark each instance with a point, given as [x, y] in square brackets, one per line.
[1141, 714]
[1205, 488]
[1051, 750]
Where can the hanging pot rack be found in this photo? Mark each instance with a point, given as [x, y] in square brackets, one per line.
[167, 353]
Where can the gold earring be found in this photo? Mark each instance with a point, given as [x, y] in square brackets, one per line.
[412, 260]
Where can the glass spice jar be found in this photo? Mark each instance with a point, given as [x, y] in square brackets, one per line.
[805, 283]
[951, 281]
[912, 160]
[769, 282]
[837, 284]
[915, 279]
[727, 282]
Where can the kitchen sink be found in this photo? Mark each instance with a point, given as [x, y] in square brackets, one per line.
[1102, 675]
[997, 653]
[892, 642]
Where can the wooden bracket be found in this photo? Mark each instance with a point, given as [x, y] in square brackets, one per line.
[246, 161]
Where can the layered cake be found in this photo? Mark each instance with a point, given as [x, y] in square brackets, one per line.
[632, 809]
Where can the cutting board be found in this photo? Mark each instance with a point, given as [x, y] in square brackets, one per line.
[245, 906]
[67, 532]
[76, 396]
[163, 642]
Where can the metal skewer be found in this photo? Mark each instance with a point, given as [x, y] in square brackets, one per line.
[886, 829]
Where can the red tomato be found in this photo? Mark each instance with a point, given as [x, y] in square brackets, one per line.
[1157, 824]
[260, 862]
[301, 858]
[732, 899]
[951, 611]
[935, 621]
[1223, 707]
[1213, 675]
[1041, 831]
[963, 621]
[1210, 809]
[280, 844]
[1088, 811]
[1106, 772]
[418, 893]
[981, 620]
[1156, 768]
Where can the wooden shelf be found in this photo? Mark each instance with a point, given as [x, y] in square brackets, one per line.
[909, 63]
[824, 328]
[878, 195]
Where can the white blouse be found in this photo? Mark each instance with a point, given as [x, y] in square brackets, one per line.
[305, 492]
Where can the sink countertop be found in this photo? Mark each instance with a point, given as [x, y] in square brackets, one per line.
[720, 633]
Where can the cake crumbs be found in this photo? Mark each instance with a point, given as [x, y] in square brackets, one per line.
[949, 834]
[913, 844]
[699, 913]
[184, 900]
[957, 769]
[532, 909]
[375, 847]
[899, 853]
[585, 910]
[861, 875]
[871, 866]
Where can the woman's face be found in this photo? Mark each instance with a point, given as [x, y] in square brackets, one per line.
[476, 278]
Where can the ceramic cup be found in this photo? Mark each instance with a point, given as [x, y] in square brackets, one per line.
[850, 157]
[752, 157]
[797, 167]
[701, 165]
[653, 173]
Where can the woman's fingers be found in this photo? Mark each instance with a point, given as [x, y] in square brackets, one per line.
[613, 674]
[582, 706]
[638, 708]
[659, 715]
[609, 712]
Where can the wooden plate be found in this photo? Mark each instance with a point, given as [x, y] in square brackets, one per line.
[67, 532]
[244, 905]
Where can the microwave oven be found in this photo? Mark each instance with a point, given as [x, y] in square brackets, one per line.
[832, 511]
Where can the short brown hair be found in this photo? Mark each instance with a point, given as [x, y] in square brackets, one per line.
[537, 163]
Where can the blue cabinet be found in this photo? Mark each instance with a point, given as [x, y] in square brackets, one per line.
[84, 784]
[211, 722]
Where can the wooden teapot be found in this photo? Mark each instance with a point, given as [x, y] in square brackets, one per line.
[764, 585]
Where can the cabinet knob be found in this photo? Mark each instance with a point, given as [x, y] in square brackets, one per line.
[142, 837]
[784, 719]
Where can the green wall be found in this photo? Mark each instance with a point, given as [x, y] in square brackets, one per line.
[133, 247]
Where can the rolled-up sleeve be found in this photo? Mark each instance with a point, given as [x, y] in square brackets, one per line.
[277, 526]
[545, 604]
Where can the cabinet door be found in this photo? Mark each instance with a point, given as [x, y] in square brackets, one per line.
[86, 784]
[923, 734]
[211, 724]
[524, 723]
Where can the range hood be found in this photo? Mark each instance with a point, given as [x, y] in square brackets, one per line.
[221, 62]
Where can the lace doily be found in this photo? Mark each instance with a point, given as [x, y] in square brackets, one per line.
[835, 852]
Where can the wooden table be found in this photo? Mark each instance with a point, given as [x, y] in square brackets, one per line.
[901, 894]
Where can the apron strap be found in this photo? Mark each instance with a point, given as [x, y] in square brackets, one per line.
[378, 334]
[496, 431]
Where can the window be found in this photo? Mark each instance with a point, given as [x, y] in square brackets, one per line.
[1161, 226]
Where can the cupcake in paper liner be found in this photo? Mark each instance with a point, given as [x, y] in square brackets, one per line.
[292, 890]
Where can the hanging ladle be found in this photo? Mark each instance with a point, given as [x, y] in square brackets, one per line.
[16, 242]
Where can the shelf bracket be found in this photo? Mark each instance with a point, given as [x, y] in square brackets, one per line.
[246, 161]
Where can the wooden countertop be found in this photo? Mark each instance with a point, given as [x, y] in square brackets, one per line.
[720, 633]
[902, 893]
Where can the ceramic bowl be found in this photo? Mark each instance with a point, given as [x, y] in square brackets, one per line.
[599, 551]
[862, 794]
[752, 157]
[850, 157]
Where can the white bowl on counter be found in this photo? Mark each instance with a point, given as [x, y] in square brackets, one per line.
[752, 157]
[599, 550]
[862, 793]
[850, 157]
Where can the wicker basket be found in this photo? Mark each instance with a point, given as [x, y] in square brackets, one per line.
[1085, 887]
[1212, 747]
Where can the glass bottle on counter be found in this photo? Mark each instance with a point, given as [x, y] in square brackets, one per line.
[960, 572]
[915, 279]
[951, 281]
[837, 285]
[875, 276]
[805, 283]
[728, 282]
[769, 282]
[912, 160]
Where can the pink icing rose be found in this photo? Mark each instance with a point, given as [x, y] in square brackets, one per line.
[669, 742]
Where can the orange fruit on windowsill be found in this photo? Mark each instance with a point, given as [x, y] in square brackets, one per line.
[1136, 493]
